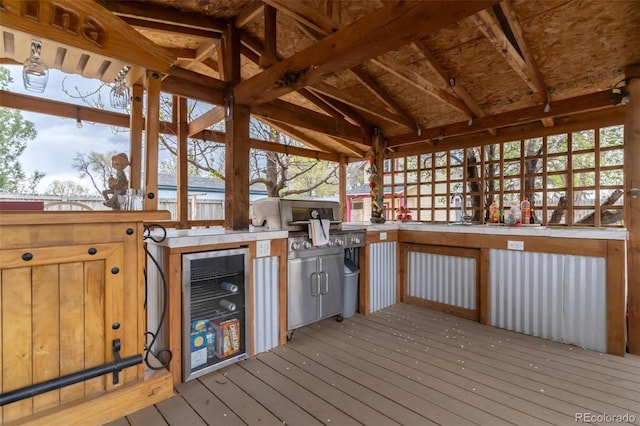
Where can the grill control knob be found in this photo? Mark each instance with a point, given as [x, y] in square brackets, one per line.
[295, 245]
[340, 242]
[355, 240]
[306, 245]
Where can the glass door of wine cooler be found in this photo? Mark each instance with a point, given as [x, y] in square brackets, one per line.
[214, 286]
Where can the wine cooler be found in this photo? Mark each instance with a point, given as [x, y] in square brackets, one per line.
[214, 287]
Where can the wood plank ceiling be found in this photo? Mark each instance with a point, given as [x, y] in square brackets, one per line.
[426, 73]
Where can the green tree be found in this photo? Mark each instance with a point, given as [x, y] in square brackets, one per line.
[15, 133]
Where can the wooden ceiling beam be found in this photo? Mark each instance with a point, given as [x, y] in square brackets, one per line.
[302, 16]
[512, 20]
[329, 108]
[588, 120]
[340, 112]
[150, 12]
[450, 81]
[168, 28]
[189, 89]
[339, 95]
[219, 137]
[564, 107]
[251, 11]
[296, 134]
[207, 119]
[309, 17]
[376, 89]
[300, 117]
[270, 54]
[491, 29]
[61, 109]
[197, 78]
[389, 27]
[317, 144]
[419, 82]
[347, 112]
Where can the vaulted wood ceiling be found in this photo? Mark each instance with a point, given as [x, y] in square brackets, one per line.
[426, 73]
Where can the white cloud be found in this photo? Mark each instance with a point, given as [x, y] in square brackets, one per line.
[59, 140]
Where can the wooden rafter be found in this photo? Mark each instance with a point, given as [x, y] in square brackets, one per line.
[450, 81]
[339, 111]
[301, 136]
[419, 82]
[600, 118]
[270, 54]
[169, 28]
[376, 89]
[332, 92]
[335, 108]
[512, 19]
[251, 11]
[311, 18]
[389, 27]
[525, 115]
[300, 117]
[319, 153]
[207, 119]
[164, 15]
[528, 72]
[317, 26]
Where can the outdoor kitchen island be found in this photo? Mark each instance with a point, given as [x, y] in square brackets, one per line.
[562, 284]
[566, 285]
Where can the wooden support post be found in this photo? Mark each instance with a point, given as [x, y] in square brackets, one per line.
[342, 187]
[152, 131]
[236, 199]
[376, 180]
[135, 138]
[180, 109]
[632, 204]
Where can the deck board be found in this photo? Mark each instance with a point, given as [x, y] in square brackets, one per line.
[529, 382]
[406, 365]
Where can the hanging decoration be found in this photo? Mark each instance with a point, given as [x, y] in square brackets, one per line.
[375, 178]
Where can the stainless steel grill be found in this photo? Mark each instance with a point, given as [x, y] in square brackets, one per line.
[315, 271]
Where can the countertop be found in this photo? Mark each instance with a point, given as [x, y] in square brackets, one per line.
[219, 235]
[538, 231]
[215, 235]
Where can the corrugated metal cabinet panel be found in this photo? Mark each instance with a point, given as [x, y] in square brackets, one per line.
[554, 296]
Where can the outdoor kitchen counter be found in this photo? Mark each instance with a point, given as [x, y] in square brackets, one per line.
[573, 278]
[533, 231]
[217, 235]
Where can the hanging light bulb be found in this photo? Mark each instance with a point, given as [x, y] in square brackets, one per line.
[35, 72]
[78, 120]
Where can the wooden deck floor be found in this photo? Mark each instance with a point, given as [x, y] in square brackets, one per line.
[407, 365]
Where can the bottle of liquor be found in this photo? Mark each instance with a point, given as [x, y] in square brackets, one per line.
[525, 208]
[494, 213]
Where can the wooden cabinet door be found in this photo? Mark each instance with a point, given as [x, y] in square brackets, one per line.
[61, 309]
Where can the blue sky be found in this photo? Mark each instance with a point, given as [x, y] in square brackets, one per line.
[59, 140]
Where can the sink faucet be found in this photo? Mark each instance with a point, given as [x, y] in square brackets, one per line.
[463, 214]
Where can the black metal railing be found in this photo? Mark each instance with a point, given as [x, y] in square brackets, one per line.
[114, 367]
